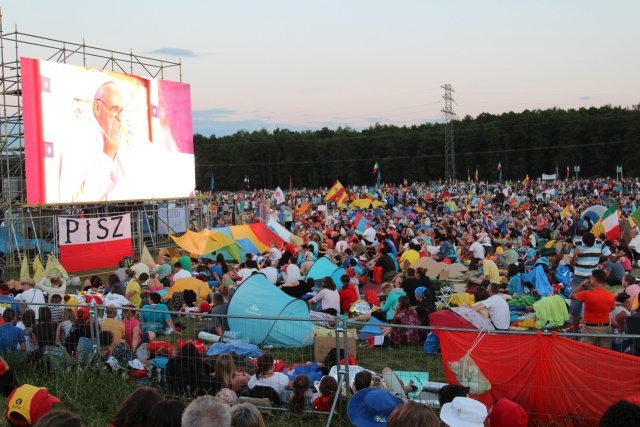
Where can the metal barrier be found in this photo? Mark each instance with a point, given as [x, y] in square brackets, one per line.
[552, 350]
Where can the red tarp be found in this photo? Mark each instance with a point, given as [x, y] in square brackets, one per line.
[449, 319]
[265, 235]
[558, 381]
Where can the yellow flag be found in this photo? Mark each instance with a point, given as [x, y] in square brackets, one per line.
[598, 229]
[38, 270]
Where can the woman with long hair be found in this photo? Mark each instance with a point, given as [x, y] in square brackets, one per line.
[226, 375]
[134, 411]
[300, 399]
[44, 332]
[405, 315]
[133, 335]
[329, 296]
[189, 374]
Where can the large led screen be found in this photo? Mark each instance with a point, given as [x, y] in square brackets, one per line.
[94, 135]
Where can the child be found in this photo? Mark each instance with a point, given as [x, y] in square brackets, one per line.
[328, 389]
[301, 396]
[64, 328]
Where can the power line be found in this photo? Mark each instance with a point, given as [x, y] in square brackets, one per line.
[424, 156]
[220, 141]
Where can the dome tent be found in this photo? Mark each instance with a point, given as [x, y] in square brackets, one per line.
[257, 297]
[323, 268]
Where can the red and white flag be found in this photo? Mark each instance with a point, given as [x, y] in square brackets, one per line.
[611, 222]
[88, 243]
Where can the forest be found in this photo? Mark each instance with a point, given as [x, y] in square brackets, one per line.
[531, 143]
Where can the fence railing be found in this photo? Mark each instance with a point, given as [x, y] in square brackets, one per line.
[552, 375]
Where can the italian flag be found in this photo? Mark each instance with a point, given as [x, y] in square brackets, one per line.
[611, 222]
[375, 168]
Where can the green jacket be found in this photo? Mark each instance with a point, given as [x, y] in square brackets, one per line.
[389, 306]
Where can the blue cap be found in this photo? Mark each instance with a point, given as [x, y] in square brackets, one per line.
[371, 407]
[420, 291]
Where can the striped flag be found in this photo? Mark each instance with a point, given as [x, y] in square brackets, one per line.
[338, 194]
[375, 168]
[611, 222]
[477, 176]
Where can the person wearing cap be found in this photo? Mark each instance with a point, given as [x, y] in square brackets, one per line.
[464, 412]
[34, 298]
[425, 305]
[506, 413]
[27, 404]
[372, 407]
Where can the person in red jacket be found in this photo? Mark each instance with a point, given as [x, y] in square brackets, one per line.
[348, 294]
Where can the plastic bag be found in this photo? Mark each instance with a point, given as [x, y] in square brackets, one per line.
[469, 374]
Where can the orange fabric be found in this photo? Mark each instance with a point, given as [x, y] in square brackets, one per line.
[556, 380]
[598, 305]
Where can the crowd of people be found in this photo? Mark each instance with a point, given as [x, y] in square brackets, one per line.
[499, 232]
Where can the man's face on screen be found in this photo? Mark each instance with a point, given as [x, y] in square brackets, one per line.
[108, 109]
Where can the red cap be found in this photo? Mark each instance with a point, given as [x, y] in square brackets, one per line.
[506, 413]
[27, 404]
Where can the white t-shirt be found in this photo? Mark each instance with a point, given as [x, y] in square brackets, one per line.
[498, 311]
[246, 273]
[635, 243]
[115, 300]
[182, 274]
[292, 273]
[275, 254]
[32, 296]
[330, 299]
[477, 249]
[369, 234]
[278, 382]
[271, 273]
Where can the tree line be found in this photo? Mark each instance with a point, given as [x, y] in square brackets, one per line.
[530, 143]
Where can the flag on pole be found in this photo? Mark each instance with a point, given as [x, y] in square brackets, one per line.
[477, 176]
[611, 221]
[468, 174]
[404, 182]
[525, 180]
[375, 168]
[290, 184]
[278, 195]
[568, 172]
[212, 182]
[499, 166]
[338, 194]
[378, 180]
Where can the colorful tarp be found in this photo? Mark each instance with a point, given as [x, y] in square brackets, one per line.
[558, 381]
[208, 241]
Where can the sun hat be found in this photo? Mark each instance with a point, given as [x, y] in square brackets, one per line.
[27, 404]
[506, 413]
[419, 292]
[27, 281]
[464, 412]
[371, 407]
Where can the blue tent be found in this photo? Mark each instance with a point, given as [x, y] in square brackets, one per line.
[9, 241]
[323, 268]
[257, 297]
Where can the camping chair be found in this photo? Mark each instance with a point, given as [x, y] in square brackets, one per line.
[446, 292]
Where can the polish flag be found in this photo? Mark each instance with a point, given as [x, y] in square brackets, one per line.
[88, 243]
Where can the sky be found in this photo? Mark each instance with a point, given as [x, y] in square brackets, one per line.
[312, 64]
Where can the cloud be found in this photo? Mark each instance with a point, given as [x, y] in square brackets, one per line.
[585, 98]
[211, 115]
[376, 119]
[174, 51]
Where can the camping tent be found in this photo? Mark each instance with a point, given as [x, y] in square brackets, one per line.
[257, 297]
[196, 285]
[284, 234]
[207, 241]
[248, 242]
[323, 268]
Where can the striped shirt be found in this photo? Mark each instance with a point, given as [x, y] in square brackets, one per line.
[588, 258]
